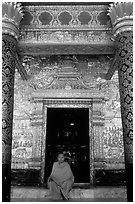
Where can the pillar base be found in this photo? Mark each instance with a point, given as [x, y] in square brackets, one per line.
[6, 182]
[129, 176]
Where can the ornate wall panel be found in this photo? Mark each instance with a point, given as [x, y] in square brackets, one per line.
[78, 17]
[8, 70]
[65, 29]
[56, 79]
[113, 147]
[27, 131]
[70, 72]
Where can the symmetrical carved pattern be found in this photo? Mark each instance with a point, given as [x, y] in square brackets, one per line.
[8, 69]
[76, 16]
[65, 73]
[125, 58]
[65, 26]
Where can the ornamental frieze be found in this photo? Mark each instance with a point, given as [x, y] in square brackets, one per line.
[75, 25]
[65, 37]
[71, 17]
[69, 72]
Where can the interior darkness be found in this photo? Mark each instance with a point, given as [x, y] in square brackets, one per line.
[68, 132]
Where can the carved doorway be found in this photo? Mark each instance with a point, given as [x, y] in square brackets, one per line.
[67, 131]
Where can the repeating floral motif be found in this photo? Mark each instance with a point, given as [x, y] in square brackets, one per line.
[8, 69]
[124, 44]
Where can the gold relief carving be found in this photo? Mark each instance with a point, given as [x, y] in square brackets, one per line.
[112, 139]
[66, 102]
[12, 13]
[65, 74]
[51, 93]
[121, 14]
[43, 143]
[91, 145]
[65, 37]
[74, 11]
[98, 141]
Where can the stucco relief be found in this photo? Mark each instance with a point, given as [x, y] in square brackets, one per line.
[113, 143]
[76, 37]
[68, 73]
[112, 133]
[67, 16]
[52, 73]
[26, 147]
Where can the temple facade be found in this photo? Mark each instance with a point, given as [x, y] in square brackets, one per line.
[67, 87]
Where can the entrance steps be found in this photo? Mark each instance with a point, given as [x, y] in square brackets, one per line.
[25, 192]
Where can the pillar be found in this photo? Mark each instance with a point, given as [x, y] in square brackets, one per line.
[121, 15]
[11, 16]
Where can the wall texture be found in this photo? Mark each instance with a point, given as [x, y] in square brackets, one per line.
[55, 74]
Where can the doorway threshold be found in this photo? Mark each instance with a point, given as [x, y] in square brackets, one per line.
[82, 185]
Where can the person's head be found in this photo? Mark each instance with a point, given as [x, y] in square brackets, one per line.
[61, 158]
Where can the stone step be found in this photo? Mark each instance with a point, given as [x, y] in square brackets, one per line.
[79, 193]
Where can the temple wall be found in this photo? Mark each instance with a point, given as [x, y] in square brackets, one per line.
[28, 121]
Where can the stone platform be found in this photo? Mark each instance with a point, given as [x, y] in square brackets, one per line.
[40, 194]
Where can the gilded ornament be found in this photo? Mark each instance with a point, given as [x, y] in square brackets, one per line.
[12, 13]
[121, 14]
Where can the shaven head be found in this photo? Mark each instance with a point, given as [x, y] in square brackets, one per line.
[61, 158]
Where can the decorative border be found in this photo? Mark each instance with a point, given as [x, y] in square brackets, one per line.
[74, 10]
[43, 144]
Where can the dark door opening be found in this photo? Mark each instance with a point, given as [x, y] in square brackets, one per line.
[68, 132]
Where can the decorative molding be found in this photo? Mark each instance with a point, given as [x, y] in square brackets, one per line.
[65, 37]
[43, 144]
[121, 14]
[12, 13]
[55, 94]
[65, 49]
[55, 37]
[91, 13]
[79, 102]
[91, 144]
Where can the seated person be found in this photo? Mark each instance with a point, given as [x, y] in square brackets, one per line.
[61, 179]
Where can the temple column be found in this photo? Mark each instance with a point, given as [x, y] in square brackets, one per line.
[11, 16]
[122, 20]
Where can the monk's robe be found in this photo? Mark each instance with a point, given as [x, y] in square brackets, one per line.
[60, 181]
